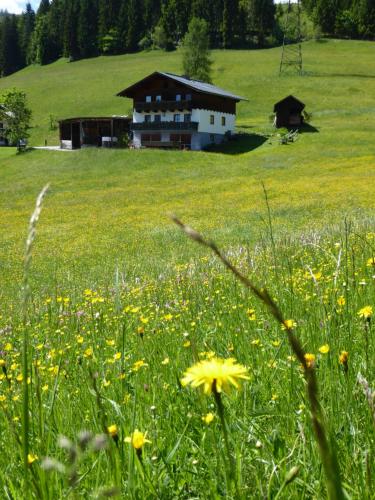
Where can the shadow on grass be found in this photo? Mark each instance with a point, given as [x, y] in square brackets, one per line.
[239, 144]
[338, 75]
[306, 128]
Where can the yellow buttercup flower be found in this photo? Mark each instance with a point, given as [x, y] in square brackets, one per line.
[31, 458]
[324, 349]
[215, 375]
[371, 262]
[365, 312]
[137, 439]
[251, 314]
[207, 419]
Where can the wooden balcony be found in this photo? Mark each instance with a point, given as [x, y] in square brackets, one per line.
[172, 126]
[162, 106]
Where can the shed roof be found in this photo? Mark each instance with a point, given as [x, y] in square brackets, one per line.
[290, 99]
[199, 86]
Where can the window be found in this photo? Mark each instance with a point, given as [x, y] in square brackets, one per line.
[188, 97]
[223, 121]
[187, 118]
[148, 98]
[212, 138]
[177, 117]
[157, 118]
[212, 119]
[178, 97]
[158, 98]
[148, 118]
[181, 140]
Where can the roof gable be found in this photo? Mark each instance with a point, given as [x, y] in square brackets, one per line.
[291, 100]
[198, 86]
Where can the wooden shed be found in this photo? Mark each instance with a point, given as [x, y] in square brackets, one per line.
[288, 112]
[76, 133]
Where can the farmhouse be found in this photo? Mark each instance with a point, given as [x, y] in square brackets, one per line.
[288, 112]
[171, 111]
[76, 133]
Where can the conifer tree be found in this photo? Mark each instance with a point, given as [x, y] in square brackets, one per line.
[10, 51]
[262, 18]
[230, 13]
[135, 25]
[87, 33]
[71, 48]
[44, 7]
[26, 28]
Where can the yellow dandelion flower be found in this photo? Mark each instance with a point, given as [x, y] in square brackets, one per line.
[117, 356]
[215, 375]
[341, 301]
[365, 312]
[289, 324]
[343, 359]
[112, 430]
[137, 439]
[371, 262]
[207, 419]
[310, 359]
[324, 349]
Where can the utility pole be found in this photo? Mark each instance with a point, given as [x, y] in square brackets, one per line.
[291, 57]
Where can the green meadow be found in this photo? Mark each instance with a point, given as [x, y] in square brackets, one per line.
[122, 303]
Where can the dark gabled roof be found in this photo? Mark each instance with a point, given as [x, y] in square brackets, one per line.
[291, 99]
[205, 88]
[95, 118]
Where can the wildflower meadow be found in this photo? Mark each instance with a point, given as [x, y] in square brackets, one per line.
[245, 374]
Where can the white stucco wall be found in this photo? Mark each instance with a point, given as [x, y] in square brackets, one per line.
[202, 116]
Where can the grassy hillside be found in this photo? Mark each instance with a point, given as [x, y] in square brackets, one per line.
[104, 203]
[121, 304]
[338, 82]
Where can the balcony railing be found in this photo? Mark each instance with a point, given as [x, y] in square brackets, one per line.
[162, 105]
[164, 126]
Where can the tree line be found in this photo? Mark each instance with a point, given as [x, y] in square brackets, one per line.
[86, 28]
[347, 18]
